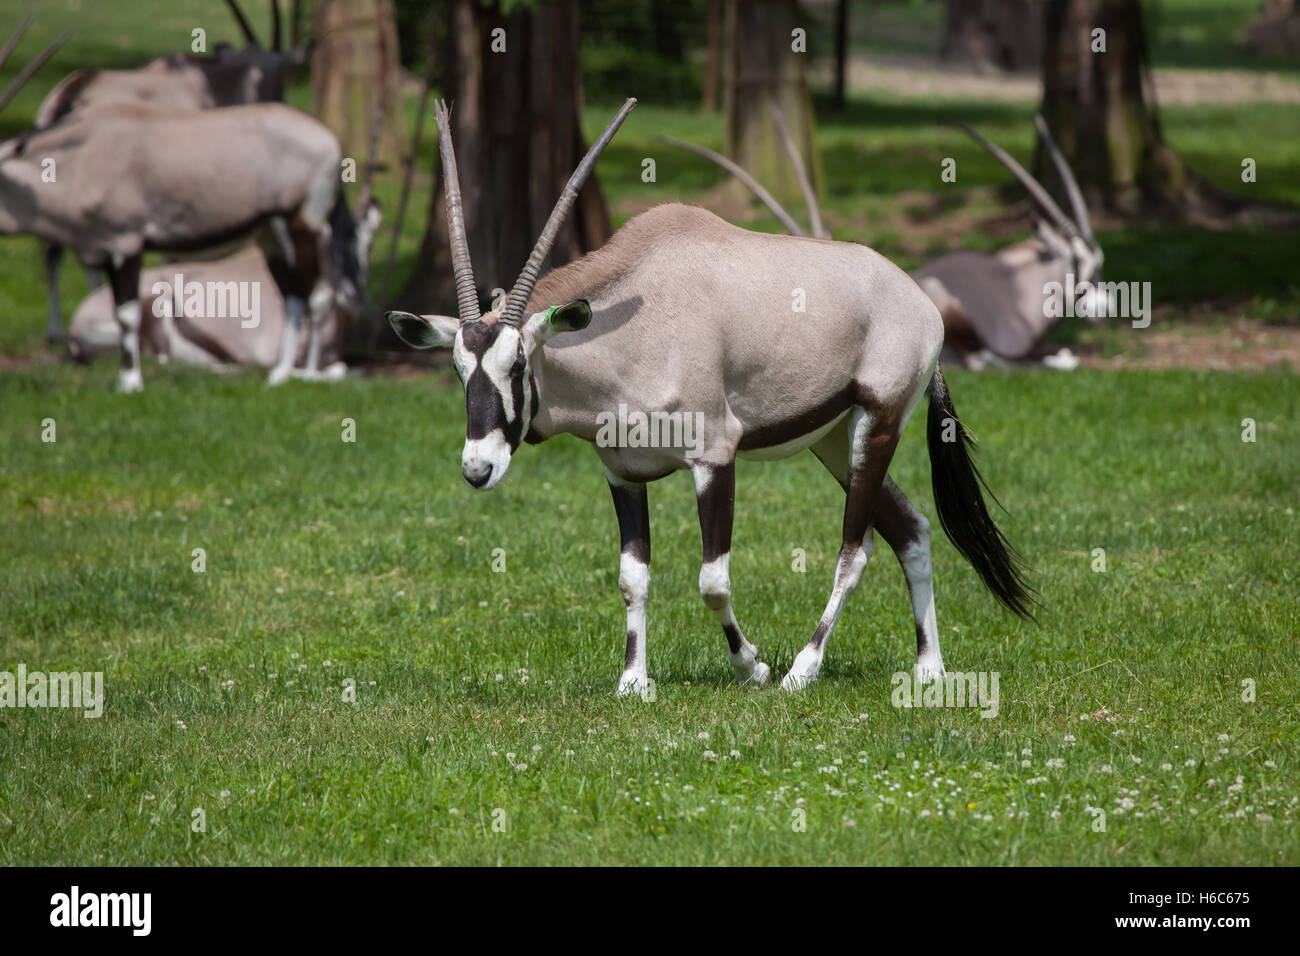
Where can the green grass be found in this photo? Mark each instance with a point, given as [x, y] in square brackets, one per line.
[371, 561]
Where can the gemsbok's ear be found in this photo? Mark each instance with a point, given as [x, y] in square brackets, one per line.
[424, 331]
[542, 326]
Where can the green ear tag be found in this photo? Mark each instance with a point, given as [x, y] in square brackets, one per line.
[550, 314]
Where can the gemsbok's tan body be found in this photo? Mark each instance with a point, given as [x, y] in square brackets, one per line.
[682, 314]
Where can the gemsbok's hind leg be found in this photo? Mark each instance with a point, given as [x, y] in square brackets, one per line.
[632, 506]
[124, 278]
[53, 266]
[715, 495]
[907, 531]
[870, 451]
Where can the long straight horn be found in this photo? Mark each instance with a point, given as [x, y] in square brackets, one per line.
[514, 308]
[748, 181]
[14, 38]
[801, 173]
[1032, 186]
[1067, 179]
[25, 74]
[276, 43]
[466, 294]
[249, 35]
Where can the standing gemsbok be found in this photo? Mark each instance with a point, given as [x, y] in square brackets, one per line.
[683, 314]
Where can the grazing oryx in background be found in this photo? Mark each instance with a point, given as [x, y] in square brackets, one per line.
[180, 81]
[222, 343]
[127, 178]
[993, 305]
[682, 316]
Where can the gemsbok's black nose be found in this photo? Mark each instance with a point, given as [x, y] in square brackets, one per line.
[477, 479]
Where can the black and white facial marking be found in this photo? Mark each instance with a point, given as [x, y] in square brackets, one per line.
[1083, 260]
[492, 362]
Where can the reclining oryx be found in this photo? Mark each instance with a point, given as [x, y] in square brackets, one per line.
[117, 180]
[993, 304]
[181, 81]
[683, 313]
[219, 344]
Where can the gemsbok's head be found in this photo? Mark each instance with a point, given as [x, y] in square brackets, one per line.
[1070, 241]
[491, 352]
[263, 71]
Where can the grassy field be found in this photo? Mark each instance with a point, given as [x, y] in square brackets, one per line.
[484, 727]
[476, 690]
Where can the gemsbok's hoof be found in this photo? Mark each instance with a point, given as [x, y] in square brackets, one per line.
[278, 376]
[762, 675]
[927, 671]
[130, 381]
[633, 685]
[803, 671]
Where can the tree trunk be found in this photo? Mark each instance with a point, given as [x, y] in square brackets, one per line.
[993, 34]
[356, 78]
[712, 56]
[763, 68]
[1100, 108]
[841, 50]
[515, 123]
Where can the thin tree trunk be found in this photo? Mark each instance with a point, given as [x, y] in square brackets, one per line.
[713, 56]
[841, 50]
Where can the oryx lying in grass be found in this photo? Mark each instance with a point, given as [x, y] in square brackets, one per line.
[179, 81]
[682, 313]
[993, 305]
[115, 181]
[218, 342]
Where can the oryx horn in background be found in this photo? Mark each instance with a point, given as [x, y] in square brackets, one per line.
[132, 178]
[684, 318]
[992, 304]
[182, 81]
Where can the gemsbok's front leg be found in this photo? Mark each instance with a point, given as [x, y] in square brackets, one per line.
[124, 280]
[715, 495]
[871, 449]
[633, 509]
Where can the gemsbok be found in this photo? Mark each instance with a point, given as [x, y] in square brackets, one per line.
[118, 180]
[993, 304]
[217, 342]
[180, 81]
[682, 314]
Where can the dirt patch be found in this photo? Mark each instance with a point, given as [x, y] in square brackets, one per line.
[1245, 345]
